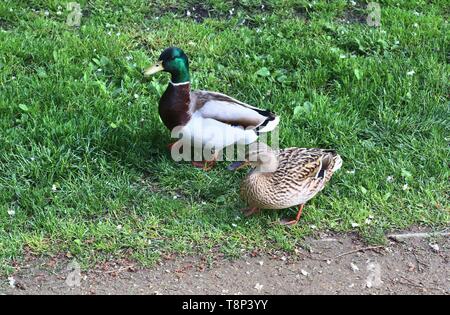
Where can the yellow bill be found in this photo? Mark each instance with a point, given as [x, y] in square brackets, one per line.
[153, 69]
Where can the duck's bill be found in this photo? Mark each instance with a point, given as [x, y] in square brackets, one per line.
[237, 165]
[153, 69]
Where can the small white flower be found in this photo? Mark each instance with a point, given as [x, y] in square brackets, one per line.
[118, 34]
[175, 197]
[416, 13]
[188, 13]
[416, 25]
[54, 188]
[11, 213]
[354, 224]
[136, 96]
[128, 58]
[58, 12]
[410, 73]
[405, 187]
[368, 221]
[351, 172]
[234, 225]
[313, 227]
[11, 10]
[119, 227]
[342, 56]
[46, 13]
[99, 70]
[390, 179]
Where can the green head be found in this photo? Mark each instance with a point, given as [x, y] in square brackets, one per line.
[174, 61]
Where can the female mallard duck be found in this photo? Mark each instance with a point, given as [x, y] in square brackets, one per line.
[208, 119]
[285, 178]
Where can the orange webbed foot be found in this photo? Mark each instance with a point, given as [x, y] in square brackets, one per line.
[295, 221]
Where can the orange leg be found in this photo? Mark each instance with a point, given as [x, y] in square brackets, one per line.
[204, 165]
[293, 222]
[250, 211]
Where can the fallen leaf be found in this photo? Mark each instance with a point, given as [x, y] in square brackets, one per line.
[258, 286]
[435, 247]
[354, 267]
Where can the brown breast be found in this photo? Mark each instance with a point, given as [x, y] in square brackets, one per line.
[174, 105]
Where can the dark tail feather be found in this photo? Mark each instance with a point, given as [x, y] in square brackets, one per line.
[270, 117]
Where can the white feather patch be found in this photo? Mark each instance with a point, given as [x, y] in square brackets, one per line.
[226, 111]
[215, 134]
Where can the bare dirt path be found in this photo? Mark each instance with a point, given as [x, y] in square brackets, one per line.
[331, 264]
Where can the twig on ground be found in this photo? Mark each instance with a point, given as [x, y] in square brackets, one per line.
[358, 250]
[122, 269]
[417, 285]
[400, 237]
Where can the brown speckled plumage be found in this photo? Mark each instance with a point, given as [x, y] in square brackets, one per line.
[300, 175]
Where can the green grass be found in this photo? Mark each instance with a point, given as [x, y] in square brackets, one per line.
[83, 158]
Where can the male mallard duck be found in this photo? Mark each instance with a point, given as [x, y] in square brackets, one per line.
[285, 178]
[209, 119]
